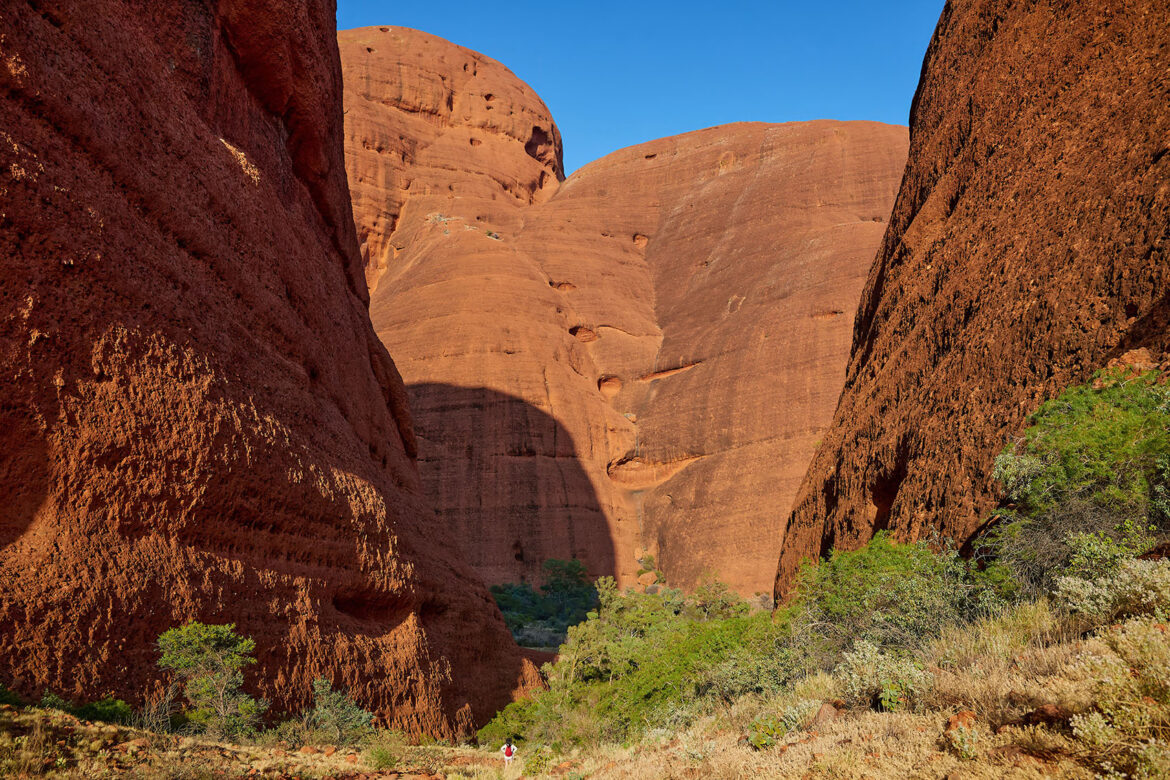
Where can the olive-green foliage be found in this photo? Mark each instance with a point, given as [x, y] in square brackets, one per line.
[1109, 445]
[541, 619]
[337, 714]
[51, 701]
[890, 682]
[108, 709]
[893, 595]
[539, 762]
[766, 730]
[643, 661]
[1088, 485]
[639, 661]
[8, 697]
[382, 757]
[1127, 734]
[1136, 587]
[210, 660]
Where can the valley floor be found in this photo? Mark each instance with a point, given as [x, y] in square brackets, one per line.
[845, 744]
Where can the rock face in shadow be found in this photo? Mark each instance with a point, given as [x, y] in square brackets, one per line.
[679, 308]
[197, 418]
[1027, 248]
[506, 448]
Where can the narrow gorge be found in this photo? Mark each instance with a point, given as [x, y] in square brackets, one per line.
[631, 366]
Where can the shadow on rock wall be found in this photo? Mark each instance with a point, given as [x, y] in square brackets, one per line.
[505, 479]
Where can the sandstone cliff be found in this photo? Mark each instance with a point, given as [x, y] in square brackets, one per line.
[637, 362]
[1027, 248]
[197, 419]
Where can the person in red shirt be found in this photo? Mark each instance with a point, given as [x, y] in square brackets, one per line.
[509, 750]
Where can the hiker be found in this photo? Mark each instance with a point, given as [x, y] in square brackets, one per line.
[509, 750]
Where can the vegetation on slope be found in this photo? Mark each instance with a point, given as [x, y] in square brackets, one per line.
[1045, 652]
[877, 625]
[542, 618]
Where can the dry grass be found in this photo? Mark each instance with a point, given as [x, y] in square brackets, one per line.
[1003, 667]
[46, 743]
[1000, 669]
[869, 745]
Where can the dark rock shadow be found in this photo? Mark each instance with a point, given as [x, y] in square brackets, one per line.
[504, 477]
[24, 475]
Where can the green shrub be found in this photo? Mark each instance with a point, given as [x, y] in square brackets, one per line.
[1128, 732]
[713, 600]
[1137, 587]
[963, 742]
[765, 731]
[382, 757]
[647, 661]
[541, 619]
[109, 710]
[881, 680]
[51, 701]
[889, 594]
[337, 714]
[643, 661]
[1099, 554]
[210, 661]
[1107, 444]
[9, 697]
[539, 762]
[1088, 485]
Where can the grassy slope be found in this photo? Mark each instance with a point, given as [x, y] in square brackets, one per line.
[1001, 669]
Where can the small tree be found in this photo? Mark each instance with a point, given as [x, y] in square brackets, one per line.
[337, 713]
[210, 660]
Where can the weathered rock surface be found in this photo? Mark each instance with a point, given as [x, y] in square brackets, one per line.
[196, 417]
[1027, 248]
[428, 121]
[636, 362]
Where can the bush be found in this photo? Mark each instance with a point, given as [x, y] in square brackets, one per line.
[1088, 485]
[51, 701]
[382, 757]
[1100, 554]
[1128, 732]
[764, 732]
[892, 595]
[647, 660]
[963, 742]
[542, 619]
[336, 713]
[1107, 443]
[210, 661]
[109, 710]
[1137, 588]
[881, 680]
[1032, 553]
[538, 762]
[8, 697]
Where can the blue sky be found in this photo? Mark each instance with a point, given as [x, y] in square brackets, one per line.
[620, 73]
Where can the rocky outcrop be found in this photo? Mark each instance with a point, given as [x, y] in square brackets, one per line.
[196, 417]
[1027, 248]
[428, 121]
[636, 362]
